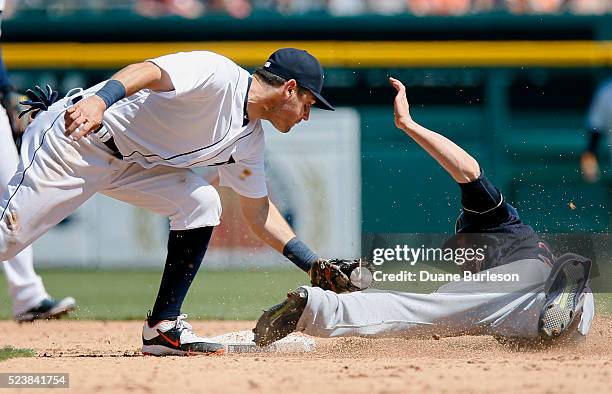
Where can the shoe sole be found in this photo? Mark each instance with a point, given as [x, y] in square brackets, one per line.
[62, 308]
[265, 332]
[559, 313]
[159, 350]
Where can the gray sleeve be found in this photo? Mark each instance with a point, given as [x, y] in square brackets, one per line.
[600, 112]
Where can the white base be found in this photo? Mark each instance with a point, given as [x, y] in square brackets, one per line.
[242, 342]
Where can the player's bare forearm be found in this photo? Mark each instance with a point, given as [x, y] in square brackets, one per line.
[267, 222]
[457, 162]
[145, 75]
[589, 162]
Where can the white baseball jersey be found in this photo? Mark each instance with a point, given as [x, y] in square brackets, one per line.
[200, 123]
[160, 135]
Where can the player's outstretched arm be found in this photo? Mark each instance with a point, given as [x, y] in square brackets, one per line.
[86, 116]
[271, 227]
[457, 162]
[266, 222]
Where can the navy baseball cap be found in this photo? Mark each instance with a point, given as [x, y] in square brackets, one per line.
[291, 63]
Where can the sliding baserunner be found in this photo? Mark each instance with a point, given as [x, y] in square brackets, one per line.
[551, 295]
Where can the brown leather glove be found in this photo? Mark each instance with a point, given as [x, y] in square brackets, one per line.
[335, 275]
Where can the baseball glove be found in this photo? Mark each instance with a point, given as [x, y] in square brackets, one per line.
[18, 105]
[38, 100]
[335, 275]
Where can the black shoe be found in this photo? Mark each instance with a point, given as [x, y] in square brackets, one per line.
[48, 309]
[559, 311]
[281, 320]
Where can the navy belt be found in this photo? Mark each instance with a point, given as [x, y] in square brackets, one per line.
[110, 144]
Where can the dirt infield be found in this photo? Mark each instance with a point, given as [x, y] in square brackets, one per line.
[103, 357]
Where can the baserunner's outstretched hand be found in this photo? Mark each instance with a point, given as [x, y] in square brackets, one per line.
[401, 107]
[457, 162]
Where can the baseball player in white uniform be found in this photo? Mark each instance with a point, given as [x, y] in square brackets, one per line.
[550, 297]
[136, 137]
[30, 300]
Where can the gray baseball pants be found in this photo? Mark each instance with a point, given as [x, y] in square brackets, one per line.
[507, 309]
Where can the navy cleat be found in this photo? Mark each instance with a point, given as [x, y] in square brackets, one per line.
[281, 320]
[47, 309]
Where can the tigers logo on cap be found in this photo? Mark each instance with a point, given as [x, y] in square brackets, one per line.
[292, 63]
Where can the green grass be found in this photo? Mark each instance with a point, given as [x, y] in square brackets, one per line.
[226, 295]
[118, 295]
[11, 352]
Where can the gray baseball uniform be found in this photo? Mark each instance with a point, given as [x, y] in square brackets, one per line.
[509, 308]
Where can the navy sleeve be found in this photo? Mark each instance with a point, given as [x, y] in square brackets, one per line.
[4, 81]
[484, 207]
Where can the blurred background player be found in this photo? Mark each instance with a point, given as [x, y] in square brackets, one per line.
[599, 124]
[29, 298]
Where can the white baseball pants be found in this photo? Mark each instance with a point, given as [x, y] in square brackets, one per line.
[56, 175]
[507, 309]
[26, 289]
